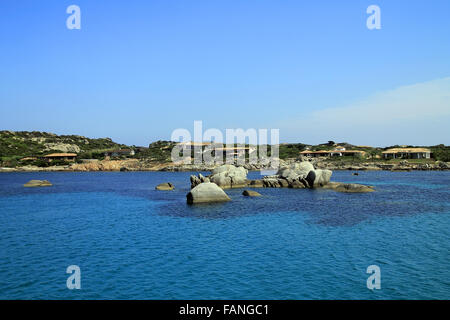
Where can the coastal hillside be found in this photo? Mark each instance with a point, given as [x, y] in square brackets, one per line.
[26, 144]
[43, 149]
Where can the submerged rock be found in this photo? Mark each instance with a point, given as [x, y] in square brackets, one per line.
[38, 183]
[206, 192]
[165, 186]
[348, 187]
[251, 193]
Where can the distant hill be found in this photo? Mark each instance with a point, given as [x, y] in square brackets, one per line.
[34, 143]
[17, 144]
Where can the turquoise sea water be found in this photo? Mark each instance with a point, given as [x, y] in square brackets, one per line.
[132, 242]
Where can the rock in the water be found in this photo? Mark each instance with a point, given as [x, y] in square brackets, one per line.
[348, 187]
[305, 173]
[202, 178]
[322, 177]
[310, 178]
[251, 193]
[206, 192]
[225, 176]
[442, 165]
[165, 186]
[195, 181]
[255, 183]
[283, 183]
[296, 170]
[229, 176]
[296, 184]
[271, 182]
[38, 183]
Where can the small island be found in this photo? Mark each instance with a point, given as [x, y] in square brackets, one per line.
[301, 175]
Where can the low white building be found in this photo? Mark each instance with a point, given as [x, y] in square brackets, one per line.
[407, 153]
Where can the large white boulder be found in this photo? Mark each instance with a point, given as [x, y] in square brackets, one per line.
[206, 192]
[322, 177]
[296, 170]
[304, 171]
[229, 176]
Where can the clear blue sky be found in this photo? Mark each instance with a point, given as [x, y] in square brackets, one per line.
[137, 70]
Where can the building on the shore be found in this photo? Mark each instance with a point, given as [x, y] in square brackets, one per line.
[234, 152]
[193, 148]
[119, 153]
[213, 148]
[407, 153]
[337, 152]
[60, 156]
[192, 144]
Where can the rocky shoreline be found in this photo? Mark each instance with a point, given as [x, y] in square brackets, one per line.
[138, 165]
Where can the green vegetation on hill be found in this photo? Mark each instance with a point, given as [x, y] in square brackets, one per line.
[290, 150]
[441, 152]
[15, 145]
[157, 151]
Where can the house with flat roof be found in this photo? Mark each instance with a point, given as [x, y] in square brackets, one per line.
[407, 153]
[338, 152]
[60, 156]
[195, 148]
[195, 144]
[235, 152]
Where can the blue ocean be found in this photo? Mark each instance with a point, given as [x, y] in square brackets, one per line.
[133, 242]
